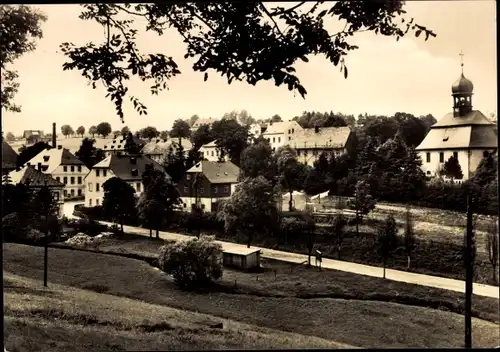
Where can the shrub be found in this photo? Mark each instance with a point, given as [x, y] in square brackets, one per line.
[12, 227]
[193, 264]
[88, 226]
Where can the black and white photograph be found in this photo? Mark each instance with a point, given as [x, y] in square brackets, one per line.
[245, 175]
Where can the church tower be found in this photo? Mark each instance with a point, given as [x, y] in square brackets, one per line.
[462, 95]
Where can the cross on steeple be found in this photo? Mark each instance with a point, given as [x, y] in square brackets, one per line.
[462, 60]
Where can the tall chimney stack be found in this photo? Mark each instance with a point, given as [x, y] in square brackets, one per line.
[54, 135]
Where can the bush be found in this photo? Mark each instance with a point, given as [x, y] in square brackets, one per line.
[88, 226]
[12, 227]
[193, 264]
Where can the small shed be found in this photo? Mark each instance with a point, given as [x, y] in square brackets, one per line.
[242, 258]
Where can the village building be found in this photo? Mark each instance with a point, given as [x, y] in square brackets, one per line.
[210, 152]
[126, 167]
[464, 133]
[311, 142]
[64, 167]
[279, 134]
[9, 158]
[33, 136]
[157, 148]
[35, 179]
[117, 145]
[206, 183]
[208, 121]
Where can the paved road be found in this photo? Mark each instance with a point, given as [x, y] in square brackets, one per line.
[368, 270]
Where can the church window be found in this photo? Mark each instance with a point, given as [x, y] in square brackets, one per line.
[428, 157]
[441, 157]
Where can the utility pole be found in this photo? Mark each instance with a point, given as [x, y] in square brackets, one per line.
[469, 273]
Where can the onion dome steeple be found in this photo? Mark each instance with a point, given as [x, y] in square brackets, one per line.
[462, 94]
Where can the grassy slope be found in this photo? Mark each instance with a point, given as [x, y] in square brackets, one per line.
[358, 323]
[62, 318]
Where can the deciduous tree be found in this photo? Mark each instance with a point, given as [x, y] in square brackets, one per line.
[231, 138]
[291, 173]
[452, 169]
[492, 247]
[80, 130]
[257, 160]
[362, 202]
[119, 200]
[104, 129]
[88, 153]
[250, 33]
[193, 119]
[131, 147]
[387, 240]
[10, 137]
[409, 236]
[125, 131]
[180, 128]
[67, 130]
[174, 162]
[20, 26]
[202, 136]
[93, 131]
[149, 132]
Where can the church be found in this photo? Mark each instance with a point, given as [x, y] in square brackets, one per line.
[464, 133]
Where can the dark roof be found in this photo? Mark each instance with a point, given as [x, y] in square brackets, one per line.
[475, 117]
[123, 166]
[478, 136]
[9, 156]
[118, 143]
[462, 86]
[53, 157]
[36, 178]
[217, 171]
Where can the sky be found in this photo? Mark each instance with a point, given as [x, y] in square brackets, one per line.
[385, 76]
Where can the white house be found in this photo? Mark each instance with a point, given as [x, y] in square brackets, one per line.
[157, 148]
[464, 133]
[311, 142]
[117, 145]
[35, 179]
[127, 167]
[280, 134]
[65, 167]
[210, 152]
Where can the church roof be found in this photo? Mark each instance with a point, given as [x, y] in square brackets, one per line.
[462, 86]
[475, 117]
[460, 137]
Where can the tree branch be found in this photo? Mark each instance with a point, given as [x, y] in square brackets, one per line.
[266, 11]
[130, 12]
[276, 13]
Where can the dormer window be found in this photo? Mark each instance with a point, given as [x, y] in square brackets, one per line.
[135, 172]
[445, 139]
[46, 158]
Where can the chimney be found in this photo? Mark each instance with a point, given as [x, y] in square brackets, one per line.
[316, 129]
[39, 167]
[54, 135]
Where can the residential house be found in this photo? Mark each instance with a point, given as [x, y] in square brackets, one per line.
[35, 179]
[209, 121]
[157, 148]
[311, 142]
[280, 134]
[464, 133]
[32, 136]
[126, 167]
[117, 145]
[65, 167]
[210, 152]
[216, 181]
[9, 158]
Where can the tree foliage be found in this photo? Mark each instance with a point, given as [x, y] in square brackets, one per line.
[125, 131]
[88, 153]
[149, 132]
[104, 129]
[231, 138]
[93, 131]
[20, 26]
[180, 128]
[10, 137]
[194, 264]
[492, 247]
[362, 202]
[291, 173]
[257, 160]
[452, 169]
[131, 147]
[242, 41]
[80, 130]
[119, 200]
[387, 239]
[67, 130]
[202, 136]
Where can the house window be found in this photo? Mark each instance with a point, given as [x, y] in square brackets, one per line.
[441, 157]
[58, 179]
[90, 202]
[212, 153]
[428, 157]
[97, 187]
[65, 168]
[226, 189]
[138, 186]
[65, 193]
[215, 189]
[65, 180]
[72, 192]
[97, 172]
[186, 189]
[455, 155]
[274, 139]
[428, 172]
[79, 180]
[279, 139]
[55, 196]
[79, 191]
[72, 169]
[202, 189]
[97, 202]
[103, 173]
[79, 169]
[72, 179]
[293, 130]
[289, 138]
[90, 186]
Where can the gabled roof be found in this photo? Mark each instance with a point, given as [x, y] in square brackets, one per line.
[118, 143]
[52, 158]
[281, 127]
[212, 144]
[9, 156]
[479, 136]
[123, 166]
[160, 146]
[217, 171]
[200, 122]
[36, 178]
[330, 137]
[474, 118]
